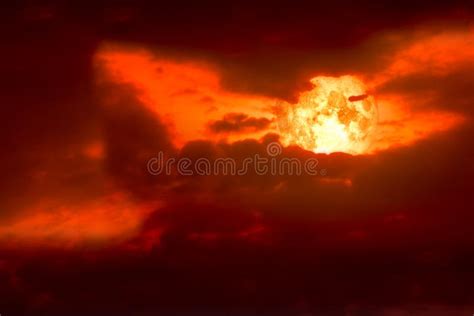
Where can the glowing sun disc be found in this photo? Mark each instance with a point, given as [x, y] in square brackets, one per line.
[337, 115]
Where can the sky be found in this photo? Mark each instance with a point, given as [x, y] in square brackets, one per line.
[375, 97]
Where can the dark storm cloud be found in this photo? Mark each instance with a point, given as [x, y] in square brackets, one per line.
[274, 250]
[238, 123]
[450, 91]
[132, 135]
[388, 230]
[48, 109]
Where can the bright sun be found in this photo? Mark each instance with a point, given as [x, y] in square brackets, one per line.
[337, 115]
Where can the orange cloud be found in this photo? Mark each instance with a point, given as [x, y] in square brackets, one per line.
[431, 53]
[405, 114]
[187, 95]
[57, 224]
[400, 125]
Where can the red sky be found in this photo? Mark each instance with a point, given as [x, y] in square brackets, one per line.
[92, 92]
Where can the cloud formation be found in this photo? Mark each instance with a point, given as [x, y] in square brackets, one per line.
[238, 122]
[85, 229]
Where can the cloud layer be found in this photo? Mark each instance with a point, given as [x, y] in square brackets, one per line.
[84, 227]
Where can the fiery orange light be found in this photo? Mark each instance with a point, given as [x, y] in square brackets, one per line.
[187, 95]
[112, 218]
[336, 115]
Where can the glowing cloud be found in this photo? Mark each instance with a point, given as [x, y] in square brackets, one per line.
[111, 219]
[339, 114]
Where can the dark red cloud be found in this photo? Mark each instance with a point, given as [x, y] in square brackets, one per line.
[449, 91]
[376, 234]
[238, 123]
